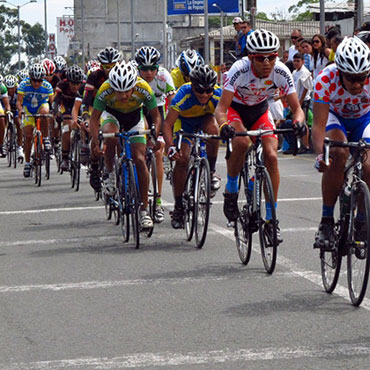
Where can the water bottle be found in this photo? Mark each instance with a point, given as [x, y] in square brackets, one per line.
[250, 188]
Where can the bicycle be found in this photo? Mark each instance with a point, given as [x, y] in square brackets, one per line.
[352, 226]
[11, 141]
[253, 216]
[39, 155]
[197, 193]
[75, 159]
[153, 185]
[126, 203]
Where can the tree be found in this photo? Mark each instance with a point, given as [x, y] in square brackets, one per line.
[35, 39]
[263, 16]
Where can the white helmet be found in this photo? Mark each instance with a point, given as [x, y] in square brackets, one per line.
[10, 81]
[37, 71]
[60, 63]
[123, 76]
[352, 56]
[22, 74]
[262, 41]
[147, 56]
[108, 55]
[1, 79]
[188, 60]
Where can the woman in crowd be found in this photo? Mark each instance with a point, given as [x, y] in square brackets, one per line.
[320, 54]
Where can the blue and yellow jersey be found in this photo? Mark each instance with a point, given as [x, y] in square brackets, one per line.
[142, 95]
[34, 98]
[187, 105]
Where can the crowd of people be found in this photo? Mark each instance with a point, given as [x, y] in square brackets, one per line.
[112, 95]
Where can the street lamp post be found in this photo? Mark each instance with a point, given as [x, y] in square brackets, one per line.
[221, 40]
[19, 25]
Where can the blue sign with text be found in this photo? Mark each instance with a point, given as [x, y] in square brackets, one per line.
[178, 7]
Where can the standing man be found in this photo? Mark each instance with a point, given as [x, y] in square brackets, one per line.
[237, 21]
[296, 34]
[246, 29]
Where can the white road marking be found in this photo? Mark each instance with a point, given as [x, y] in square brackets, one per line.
[134, 282]
[135, 360]
[311, 276]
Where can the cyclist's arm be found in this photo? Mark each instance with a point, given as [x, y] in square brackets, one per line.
[51, 98]
[295, 107]
[6, 104]
[320, 117]
[222, 106]
[167, 128]
[95, 125]
[19, 104]
[156, 119]
[76, 110]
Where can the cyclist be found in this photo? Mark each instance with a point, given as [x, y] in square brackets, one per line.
[22, 74]
[11, 83]
[194, 104]
[162, 85]
[91, 65]
[244, 106]
[341, 112]
[61, 67]
[34, 93]
[118, 104]
[67, 91]
[50, 70]
[4, 98]
[187, 60]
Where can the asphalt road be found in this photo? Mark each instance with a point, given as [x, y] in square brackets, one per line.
[73, 296]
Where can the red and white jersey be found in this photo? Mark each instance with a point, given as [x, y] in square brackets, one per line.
[249, 89]
[328, 89]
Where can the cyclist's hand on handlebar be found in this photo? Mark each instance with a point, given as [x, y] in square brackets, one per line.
[320, 164]
[300, 128]
[9, 115]
[172, 153]
[75, 125]
[227, 132]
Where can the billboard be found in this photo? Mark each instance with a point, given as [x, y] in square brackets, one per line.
[179, 7]
[65, 32]
[51, 45]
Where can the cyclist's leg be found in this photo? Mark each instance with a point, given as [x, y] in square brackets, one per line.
[160, 173]
[44, 109]
[66, 141]
[28, 126]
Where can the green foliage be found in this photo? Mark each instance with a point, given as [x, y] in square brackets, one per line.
[301, 4]
[263, 16]
[32, 38]
[305, 16]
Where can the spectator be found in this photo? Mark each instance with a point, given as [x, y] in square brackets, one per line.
[246, 29]
[320, 54]
[335, 41]
[237, 21]
[365, 27]
[306, 46]
[296, 34]
[224, 69]
[330, 35]
[285, 56]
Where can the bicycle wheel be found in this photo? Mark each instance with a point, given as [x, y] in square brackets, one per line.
[358, 243]
[331, 261]
[243, 234]
[266, 223]
[122, 202]
[73, 161]
[8, 145]
[153, 191]
[38, 159]
[77, 163]
[202, 198]
[47, 166]
[188, 201]
[134, 204]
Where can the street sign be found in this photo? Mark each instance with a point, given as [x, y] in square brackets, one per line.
[65, 32]
[52, 45]
[178, 7]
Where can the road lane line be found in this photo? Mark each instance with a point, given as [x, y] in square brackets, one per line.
[86, 285]
[293, 267]
[135, 360]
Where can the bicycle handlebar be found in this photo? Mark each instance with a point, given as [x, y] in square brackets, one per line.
[125, 134]
[202, 135]
[37, 115]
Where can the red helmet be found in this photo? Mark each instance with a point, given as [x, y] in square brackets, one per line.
[49, 66]
[92, 64]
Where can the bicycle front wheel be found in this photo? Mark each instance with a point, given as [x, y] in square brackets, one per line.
[38, 159]
[358, 243]
[153, 189]
[47, 166]
[188, 201]
[266, 216]
[202, 196]
[134, 204]
[243, 234]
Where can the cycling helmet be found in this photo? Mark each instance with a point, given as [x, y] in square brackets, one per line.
[262, 41]
[75, 74]
[37, 71]
[352, 56]
[188, 60]
[22, 74]
[93, 63]
[10, 81]
[123, 76]
[109, 55]
[60, 63]
[134, 63]
[147, 56]
[203, 76]
[49, 66]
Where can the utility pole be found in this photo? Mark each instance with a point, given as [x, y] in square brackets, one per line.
[165, 50]
[322, 17]
[206, 38]
[132, 31]
[118, 26]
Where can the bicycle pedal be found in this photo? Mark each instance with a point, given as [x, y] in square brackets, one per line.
[230, 224]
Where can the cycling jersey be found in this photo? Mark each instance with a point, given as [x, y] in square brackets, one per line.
[54, 81]
[186, 103]
[162, 85]
[329, 90]
[34, 98]
[249, 89]
[128, 113]
[177, 77]
[94, 80]
[65, 97]
[3, 94]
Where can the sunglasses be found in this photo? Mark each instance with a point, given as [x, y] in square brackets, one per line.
[148, 68]
[36, 81]
[262, 58]
[200, 90]
[316, 41]
[294, 37]
[108, 66]
[355, 78]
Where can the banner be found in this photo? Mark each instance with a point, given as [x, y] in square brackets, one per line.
[51, 43]
[65, 32]
[178, 7]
